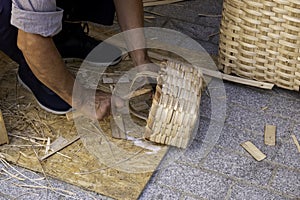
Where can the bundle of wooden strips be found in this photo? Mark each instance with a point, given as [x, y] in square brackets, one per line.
[260, 39]
[175, 107]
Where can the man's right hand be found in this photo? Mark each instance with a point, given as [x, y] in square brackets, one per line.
[95, 106]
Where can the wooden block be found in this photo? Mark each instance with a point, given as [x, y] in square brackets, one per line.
[270, 135]
[3, 132]
[296, 142]
[253, 150]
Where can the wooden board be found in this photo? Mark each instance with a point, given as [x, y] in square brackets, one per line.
[270, 135]
[78, 163]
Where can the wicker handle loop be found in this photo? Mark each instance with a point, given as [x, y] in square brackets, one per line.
[148, 74]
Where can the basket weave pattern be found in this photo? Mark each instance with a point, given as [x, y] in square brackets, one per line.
[260, 39]
[175, 106]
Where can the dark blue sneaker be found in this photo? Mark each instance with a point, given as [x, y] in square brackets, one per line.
[73, 43]
[47, 99]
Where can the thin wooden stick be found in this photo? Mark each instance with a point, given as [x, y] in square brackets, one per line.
[149, 17]
[12, 175]
[30, 137]
[26, 138]
[208, 15]
[62, 147]
[220, 75]
[24, 145]
[158, 3]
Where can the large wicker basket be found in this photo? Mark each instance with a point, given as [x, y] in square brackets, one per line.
[174, 113]
[260, 39]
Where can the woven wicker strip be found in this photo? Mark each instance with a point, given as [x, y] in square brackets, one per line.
[260, 39]
[175, 107]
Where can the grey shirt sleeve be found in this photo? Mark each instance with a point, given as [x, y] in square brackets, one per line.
[37, 16]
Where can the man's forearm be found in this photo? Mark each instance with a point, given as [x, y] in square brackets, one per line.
[46, 63]
[130, 15]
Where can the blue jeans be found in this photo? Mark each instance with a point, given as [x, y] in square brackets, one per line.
[8, 34]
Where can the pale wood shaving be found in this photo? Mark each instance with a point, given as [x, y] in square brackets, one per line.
[296, 142]
[270, 135]
[253, 151]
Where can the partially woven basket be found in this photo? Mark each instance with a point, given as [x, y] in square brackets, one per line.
[260, 39]
[175, 107]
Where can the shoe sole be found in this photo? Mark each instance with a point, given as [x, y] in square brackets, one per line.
[41, 105]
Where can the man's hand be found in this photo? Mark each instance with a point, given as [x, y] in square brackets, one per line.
[95, 106]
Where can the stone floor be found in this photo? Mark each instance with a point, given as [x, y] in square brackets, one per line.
[225, 170]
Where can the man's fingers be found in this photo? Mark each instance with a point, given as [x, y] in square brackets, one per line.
[103, 106]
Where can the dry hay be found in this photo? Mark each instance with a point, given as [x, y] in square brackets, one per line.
[29, 127]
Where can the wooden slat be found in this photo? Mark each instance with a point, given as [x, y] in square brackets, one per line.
[253, 151]
[158, 3]
[62, 147]
[3, 131]
[270, 135]
[236, 79]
